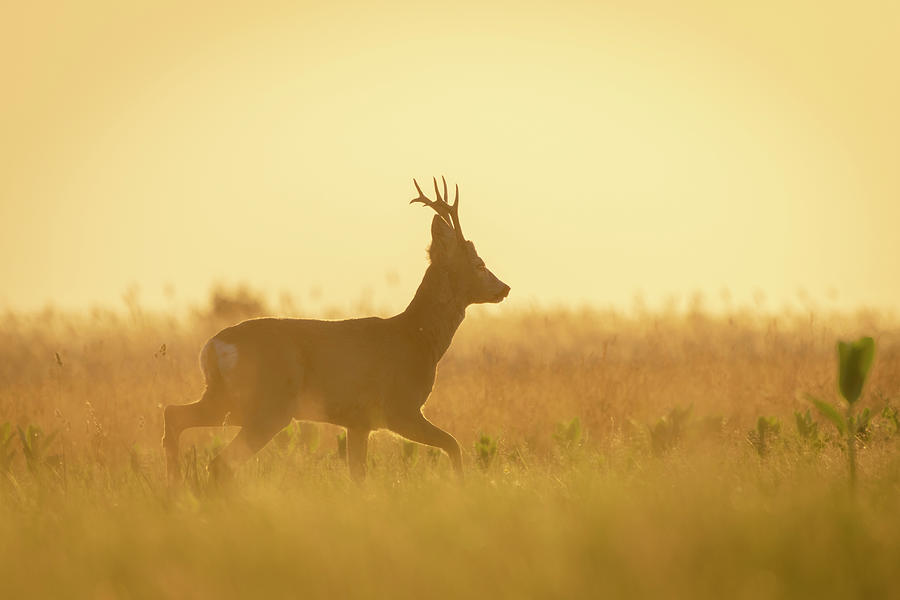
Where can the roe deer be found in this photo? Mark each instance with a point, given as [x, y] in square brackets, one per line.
[362, 374]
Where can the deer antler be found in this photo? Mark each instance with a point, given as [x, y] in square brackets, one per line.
[448, 212]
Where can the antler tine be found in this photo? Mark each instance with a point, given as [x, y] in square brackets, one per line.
[418, 189]
[450, 214]
[437, 192]
[440, 207]
[454, 214]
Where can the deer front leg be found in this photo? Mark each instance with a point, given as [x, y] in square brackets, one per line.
[357, 446]
[249, 440]
[419, 429]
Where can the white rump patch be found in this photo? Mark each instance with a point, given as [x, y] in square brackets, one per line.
[226, 353]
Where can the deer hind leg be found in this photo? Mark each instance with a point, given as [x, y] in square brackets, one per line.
[419, 429]
[357, 447]
[206, 412]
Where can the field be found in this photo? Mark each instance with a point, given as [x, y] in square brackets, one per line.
[607, 455]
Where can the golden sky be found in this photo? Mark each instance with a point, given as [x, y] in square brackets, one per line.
[603, 149]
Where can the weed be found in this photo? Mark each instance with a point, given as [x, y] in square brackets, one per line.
[854, 361]
[34, 447]
[6, 450]
[668, 431]
[889, 413]
[342, 445]
[194, 474]
[434, 455]
[829, 412]
[863, 420]
[410, 454]
[308, 436]
[485, 451]
[285, 440]
[807, 428]
[138, 461]
[767, 430]
[569, 435]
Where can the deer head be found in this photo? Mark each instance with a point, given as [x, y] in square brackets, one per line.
[468, 277]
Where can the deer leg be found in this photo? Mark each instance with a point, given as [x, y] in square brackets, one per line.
[206, 412]
[421, 430]
[357, 446]
[249, 440]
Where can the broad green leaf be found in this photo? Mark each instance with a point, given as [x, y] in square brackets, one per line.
[830, 413]
[855, 359]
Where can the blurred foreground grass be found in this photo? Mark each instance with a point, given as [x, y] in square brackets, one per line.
[607, 455]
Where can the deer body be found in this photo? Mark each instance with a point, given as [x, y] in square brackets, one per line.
[362, 374]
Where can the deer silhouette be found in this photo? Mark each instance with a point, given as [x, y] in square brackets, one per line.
[362, 374]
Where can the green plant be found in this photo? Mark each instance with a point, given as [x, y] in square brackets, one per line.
[767, 428]
[285, 440]
[342, 445]
[308, 436]
[667, 432]
[6, 452]
[138, 461]
[34, 446]
[807, 427]
[299, 436]
[433, 454]
[863, 420]
[854, 361]
[569, 435]
[194, 474]
[485, 451]
[889, 413]
[410, 453]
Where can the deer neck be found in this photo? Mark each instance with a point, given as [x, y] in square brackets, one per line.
[435, 312]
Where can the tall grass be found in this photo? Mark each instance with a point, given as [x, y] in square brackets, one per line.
[606, 454]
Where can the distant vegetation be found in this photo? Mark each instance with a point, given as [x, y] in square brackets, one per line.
[660, 455]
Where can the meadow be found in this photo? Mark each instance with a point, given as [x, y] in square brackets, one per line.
[607, 454]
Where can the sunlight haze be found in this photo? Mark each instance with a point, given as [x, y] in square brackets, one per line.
[604, 151]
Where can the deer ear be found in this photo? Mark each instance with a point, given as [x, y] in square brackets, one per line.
[443, 239]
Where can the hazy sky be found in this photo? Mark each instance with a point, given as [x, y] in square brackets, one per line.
[602, 149]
